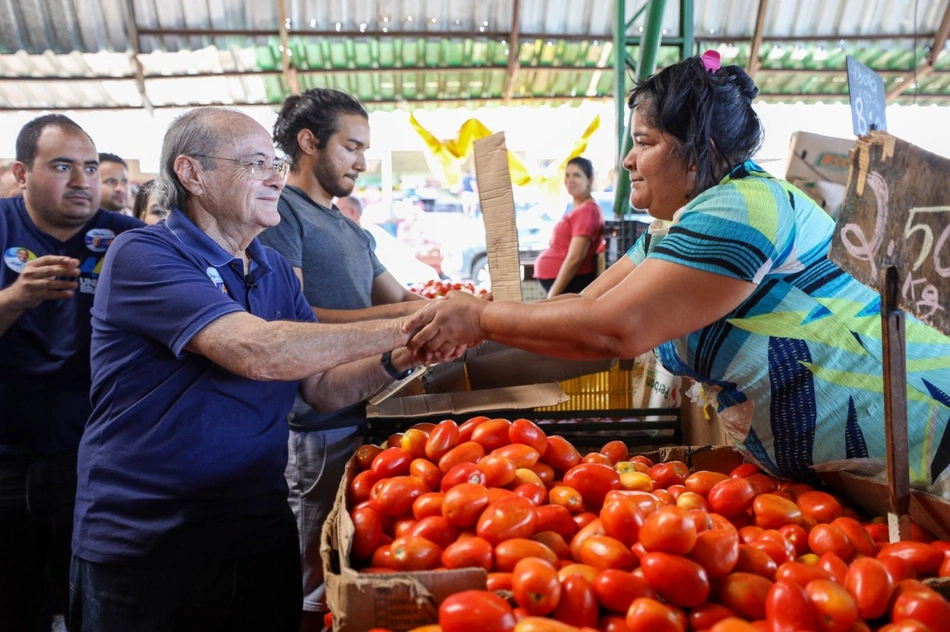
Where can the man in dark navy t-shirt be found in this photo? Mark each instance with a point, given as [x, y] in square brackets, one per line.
[201, 338]
[53, 240]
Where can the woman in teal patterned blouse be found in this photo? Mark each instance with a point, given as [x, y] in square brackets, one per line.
[733, 287]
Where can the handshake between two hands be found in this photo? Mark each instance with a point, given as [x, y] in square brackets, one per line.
[443, 329]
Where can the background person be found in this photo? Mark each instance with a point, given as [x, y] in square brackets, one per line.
[325, 133]
[146, 207]
[9, 187]
[569, 264]
[351, 207]
[57, 237]
[115, 183]
[735, 290]
[182, 520]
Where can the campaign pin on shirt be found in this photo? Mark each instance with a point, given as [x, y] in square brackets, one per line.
[98, 239]
[215, 277]
[17, 257]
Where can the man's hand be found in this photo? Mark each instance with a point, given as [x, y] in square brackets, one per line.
[444, 326]
[47, 278]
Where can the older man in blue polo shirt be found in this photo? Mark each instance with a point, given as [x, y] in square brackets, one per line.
[201, 338]
[52, 240]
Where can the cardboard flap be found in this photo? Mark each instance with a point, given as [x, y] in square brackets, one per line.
[507, 398]
[498, 213]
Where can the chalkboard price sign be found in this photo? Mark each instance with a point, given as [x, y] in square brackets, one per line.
[868, 100]
[896, 212]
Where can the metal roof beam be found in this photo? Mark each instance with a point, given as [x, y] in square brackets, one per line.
[929, 65]
[286, 63]
[514, 52]
[753, 64]
[137, 71]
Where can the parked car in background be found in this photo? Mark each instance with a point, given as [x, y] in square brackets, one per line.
[400, 259]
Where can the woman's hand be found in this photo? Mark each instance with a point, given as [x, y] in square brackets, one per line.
[443, 326]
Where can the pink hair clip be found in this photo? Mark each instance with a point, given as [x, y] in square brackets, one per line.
[711, 61]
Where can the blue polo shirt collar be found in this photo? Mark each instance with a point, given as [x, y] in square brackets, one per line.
[201, 244]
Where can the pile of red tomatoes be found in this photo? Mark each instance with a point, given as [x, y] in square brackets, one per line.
[617, 543]
[435, 289]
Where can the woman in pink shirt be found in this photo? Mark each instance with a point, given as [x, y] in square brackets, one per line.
[570, 262]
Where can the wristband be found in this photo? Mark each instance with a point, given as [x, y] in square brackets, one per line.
[387, 362]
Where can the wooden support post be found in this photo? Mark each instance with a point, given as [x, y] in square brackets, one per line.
[895, 408]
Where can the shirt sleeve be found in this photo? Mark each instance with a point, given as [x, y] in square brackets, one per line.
[587, 221]
[287, 237]
[735, 231]
[149, 289]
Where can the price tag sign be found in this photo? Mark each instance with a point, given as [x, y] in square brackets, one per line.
[868, 100]
[896, 212]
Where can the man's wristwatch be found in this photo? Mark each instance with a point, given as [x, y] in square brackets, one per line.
[387, 362]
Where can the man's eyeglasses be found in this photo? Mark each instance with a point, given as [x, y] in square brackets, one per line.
[259, 169]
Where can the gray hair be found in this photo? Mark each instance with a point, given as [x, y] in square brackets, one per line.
[191, 134]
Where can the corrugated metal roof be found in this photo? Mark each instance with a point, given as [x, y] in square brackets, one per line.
[82, 54]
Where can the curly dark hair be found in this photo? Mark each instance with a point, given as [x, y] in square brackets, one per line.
[709, 113]
[318, 110]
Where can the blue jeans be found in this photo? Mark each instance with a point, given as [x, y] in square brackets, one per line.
[253, 593]
[37, 494]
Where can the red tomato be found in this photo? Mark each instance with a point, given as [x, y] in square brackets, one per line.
[735, 624]
[778, 551]
[731, 497]
[825, 538]
[650, 614]
[435, 529]
[927, 607]
[554, 542]
[365, 455]
[391, 462]
[717, 551]
[762, 484]
[441, 439]
[923, 557]
[499, 470]
[468, 452]
[475, 611]
[513, 550]
[467, 428]
[396, 495]
[555, 518]
[427, 472]
[583, 519]
[527, 433]
[361, 487]
[676, 579]
[834, 606]
[622, 518]
[820, 506]
[878, 532]
[578, 603]
[413, 441]
[603, 552]
[703, 481]
[465, 472]
[536, 586]
[616, 589]
[468, 552]
[411, 553]
[670, 529]
[492, 434]
[834, 565]
[772, 512]
[613, 623]
[544, 472]
[797, 536]
[560, 454]
[498, 581]
[536, 493]
[616, 451]
[593, 481]
[668, 473]
[870, 584]
[745, 470]
[566, 497]
[899, 569]
[787, 608]
[509, 518]
[523, 456]
[428, 504]
[594, 527]
[597, 457]
[367, 532]
[708, 615]
[383, 557]
[750, 533]
[464, 503]
[801, 574]
[745, 594]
